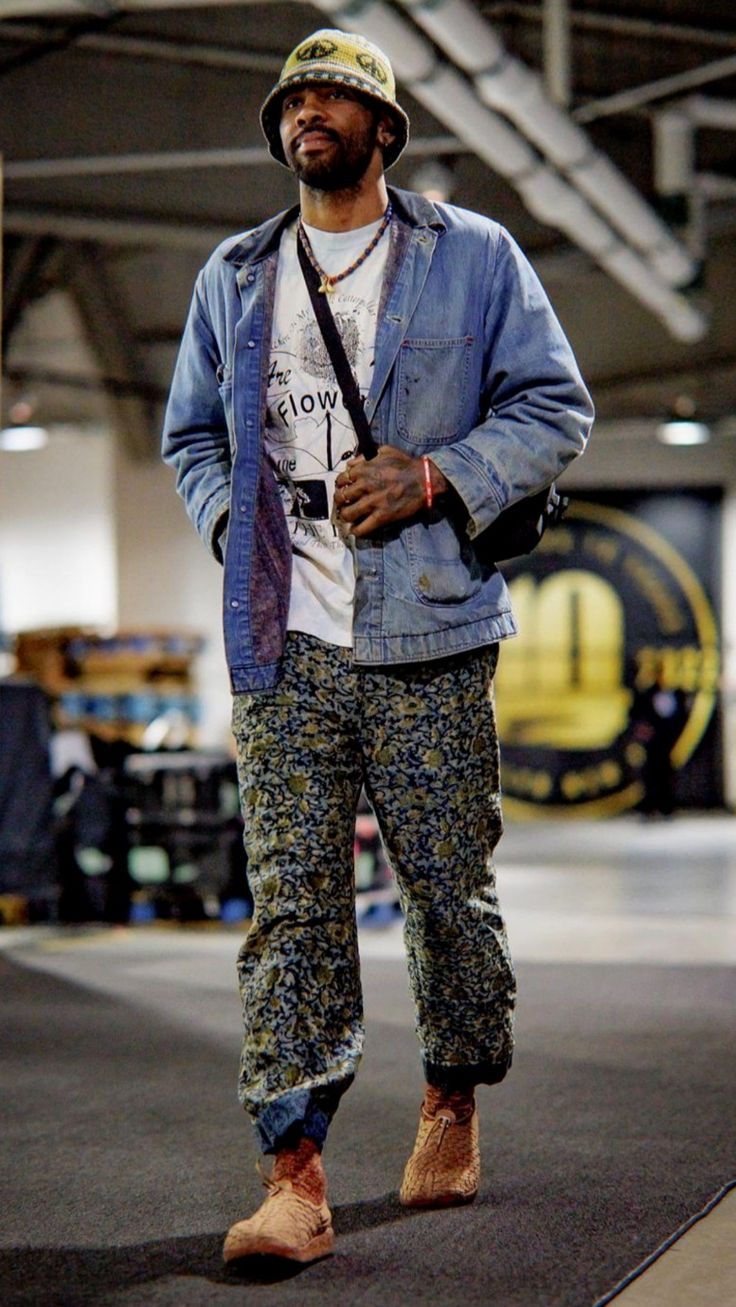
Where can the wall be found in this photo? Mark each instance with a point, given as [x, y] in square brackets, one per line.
[166, 577]
[88, 536]
[57, 534]
[632, 457]
[729, 648]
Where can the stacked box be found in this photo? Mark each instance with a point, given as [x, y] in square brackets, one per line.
[115, 685]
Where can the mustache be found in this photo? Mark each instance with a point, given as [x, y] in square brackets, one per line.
[306, 131]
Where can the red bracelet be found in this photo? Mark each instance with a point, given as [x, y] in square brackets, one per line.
[428, 491]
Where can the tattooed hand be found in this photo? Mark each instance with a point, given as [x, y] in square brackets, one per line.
[389, 487]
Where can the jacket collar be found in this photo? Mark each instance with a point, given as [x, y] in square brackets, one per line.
[409, 207]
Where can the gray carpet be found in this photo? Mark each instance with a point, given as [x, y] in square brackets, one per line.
[125, 1155]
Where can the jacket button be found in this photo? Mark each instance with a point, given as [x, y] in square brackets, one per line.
[251, 344]
[234, 603]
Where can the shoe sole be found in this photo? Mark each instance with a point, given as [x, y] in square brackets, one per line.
[439, 1200]
[321, 1246]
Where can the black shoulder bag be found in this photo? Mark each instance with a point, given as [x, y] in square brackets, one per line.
[518, 529]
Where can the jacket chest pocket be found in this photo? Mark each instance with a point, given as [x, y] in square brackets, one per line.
[432, 383]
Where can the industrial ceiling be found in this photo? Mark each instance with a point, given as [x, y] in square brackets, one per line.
[602, 133]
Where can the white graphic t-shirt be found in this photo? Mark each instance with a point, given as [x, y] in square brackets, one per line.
[309, 435]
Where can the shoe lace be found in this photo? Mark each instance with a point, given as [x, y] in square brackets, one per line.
[440, 1126]
[268, 1182]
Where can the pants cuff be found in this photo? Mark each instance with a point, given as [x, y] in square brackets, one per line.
[298, 1114]
[451, 1078]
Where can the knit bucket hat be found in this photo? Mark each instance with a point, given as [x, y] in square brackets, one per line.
[350, 60]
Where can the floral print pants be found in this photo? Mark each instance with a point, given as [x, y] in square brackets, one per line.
[421, 739]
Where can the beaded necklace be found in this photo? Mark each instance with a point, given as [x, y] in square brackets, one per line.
[328, 282]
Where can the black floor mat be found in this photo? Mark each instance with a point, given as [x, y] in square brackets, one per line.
[126, 1155]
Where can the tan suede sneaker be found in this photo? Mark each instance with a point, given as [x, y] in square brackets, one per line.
[444, 1169]
[285, 1225]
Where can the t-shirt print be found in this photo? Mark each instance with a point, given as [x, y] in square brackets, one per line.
[309, 434]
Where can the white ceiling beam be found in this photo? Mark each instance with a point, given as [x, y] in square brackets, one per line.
[131, 231]
[506, 116]
[713, 186]
[111, 338]
[556, 45]
[565, 263]
[591, 20]
[77, 8]
[557, 201]
[190, 53]
[247, 156]
[112, 165]
[664, 87]
[707, 111]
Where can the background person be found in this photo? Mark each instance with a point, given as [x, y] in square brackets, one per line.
[658, 714]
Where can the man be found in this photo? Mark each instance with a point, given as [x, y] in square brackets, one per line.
[658, 714]
[361, 619]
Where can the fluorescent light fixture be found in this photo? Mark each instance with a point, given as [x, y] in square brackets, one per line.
[21, 438]
[679, 431]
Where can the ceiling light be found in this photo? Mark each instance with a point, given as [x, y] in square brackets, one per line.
[683, 432]
[19, 439]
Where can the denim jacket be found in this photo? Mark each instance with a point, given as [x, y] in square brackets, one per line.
[471, 367]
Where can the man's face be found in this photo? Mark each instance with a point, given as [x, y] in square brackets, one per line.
[329, 135]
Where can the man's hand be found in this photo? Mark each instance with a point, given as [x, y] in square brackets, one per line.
[385, 489]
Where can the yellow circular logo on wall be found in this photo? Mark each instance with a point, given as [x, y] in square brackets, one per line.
[606, 608]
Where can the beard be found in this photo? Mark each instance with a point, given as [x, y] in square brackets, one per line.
[345, 165]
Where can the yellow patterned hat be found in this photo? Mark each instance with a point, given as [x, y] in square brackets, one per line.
[350, 60]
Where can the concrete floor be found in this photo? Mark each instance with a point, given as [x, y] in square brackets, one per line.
[625, 891]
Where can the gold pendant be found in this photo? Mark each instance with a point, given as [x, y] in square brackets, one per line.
[326, 288]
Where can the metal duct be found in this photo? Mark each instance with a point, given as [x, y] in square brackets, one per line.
[507, 85]
[488, 136]
[452, 100]
[707, 111]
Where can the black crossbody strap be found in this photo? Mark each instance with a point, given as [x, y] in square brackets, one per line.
[343, 371]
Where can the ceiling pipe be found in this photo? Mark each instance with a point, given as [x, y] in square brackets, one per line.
[714, 187]
[706, 111]
[675, 160]
[617, 25]
[509, 87]
[674, 151]
[664, 88]
[454, 101]
[556, 41]
[78, 8]
[449, 97]
[166, 51]
[122, 231]
[244, 156]
[674, 140]
[133, 229]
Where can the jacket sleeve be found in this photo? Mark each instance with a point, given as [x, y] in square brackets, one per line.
[195, 437]
[537, 412]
